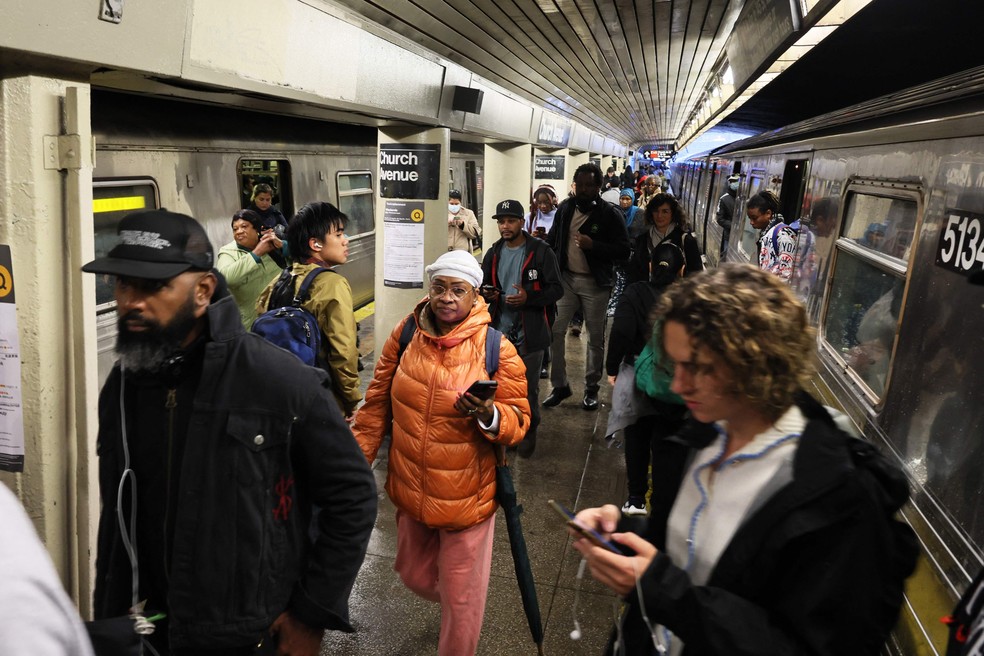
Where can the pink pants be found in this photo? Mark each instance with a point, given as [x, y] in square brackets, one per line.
[451, 567]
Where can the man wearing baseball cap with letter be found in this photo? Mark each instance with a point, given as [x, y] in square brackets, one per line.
[214, 445]
[522, 287]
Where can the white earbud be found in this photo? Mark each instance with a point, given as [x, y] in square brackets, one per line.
[576, 633]
[316, 245]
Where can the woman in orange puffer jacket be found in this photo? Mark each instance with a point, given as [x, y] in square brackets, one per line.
[441, 472]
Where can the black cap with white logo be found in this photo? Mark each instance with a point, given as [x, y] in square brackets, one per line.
[157, 245]
[511, 208]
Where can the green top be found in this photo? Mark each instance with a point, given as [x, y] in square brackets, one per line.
[246, 278]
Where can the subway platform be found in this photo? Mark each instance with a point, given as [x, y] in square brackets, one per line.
[573, 464]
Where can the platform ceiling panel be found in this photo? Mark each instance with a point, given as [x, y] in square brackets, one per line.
[632, 69]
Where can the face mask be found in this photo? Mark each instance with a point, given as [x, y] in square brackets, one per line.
[733, 186]
[454, 209]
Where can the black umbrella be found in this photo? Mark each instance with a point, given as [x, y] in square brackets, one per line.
[505, 494]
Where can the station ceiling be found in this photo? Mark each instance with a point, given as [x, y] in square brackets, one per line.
[635, 69]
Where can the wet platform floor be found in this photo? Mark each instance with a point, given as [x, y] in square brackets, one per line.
[573, 464]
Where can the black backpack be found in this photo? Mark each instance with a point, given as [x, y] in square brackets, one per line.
[493, 338]
[288, 325]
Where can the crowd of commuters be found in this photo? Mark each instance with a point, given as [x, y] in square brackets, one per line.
[256, 500]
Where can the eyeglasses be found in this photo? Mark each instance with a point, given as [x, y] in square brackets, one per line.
[437, 291]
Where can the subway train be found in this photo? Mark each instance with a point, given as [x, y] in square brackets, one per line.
[890, 194]
[203, 159]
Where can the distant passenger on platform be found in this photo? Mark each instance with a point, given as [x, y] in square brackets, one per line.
[588, 236]
[317, 235]
[213, 448]
[442, 455]
[540, 218]
[36, 615]
[634, 221]
[726, 212]
[611, 181]
[263, 205]
[522, 286]
[628, 178]
[777, 243]
[650, 188]
[645, 421]
[250, 261]
[463, 226]
[771, 530]
[664, 221]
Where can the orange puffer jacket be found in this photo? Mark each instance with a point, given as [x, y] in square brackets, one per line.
[441, 463]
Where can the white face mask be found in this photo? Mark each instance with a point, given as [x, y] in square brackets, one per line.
[453, 208]
[733, 186]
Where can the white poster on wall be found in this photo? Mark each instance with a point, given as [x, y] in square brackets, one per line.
[403, 244]
[11, 409]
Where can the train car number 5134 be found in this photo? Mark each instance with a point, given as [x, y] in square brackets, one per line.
[961, 246]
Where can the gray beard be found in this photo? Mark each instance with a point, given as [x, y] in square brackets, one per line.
[147, 352]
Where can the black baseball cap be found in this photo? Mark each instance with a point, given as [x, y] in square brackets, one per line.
[511, 208]
[157, 245]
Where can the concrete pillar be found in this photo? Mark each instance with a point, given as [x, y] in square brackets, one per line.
[607, 161]
[562, 184]
[508, 170]
[46, 219]
[393, 303]
[575, 160]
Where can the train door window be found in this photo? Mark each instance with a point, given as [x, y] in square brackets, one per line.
[274, 172]
[793, 187]
[867, 283]
[111, 201]
[355, 200]
[748, 244]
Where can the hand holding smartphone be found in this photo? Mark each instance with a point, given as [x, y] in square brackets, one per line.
[483, 389]
[593, 536]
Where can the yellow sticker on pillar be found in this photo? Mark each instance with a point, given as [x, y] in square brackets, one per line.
[11, 409]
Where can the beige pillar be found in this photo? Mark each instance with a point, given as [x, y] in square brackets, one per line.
[46, 219]
[574, 160]
[508, 169]
[395, 303]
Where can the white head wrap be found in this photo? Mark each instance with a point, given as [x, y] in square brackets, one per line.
[456, 264]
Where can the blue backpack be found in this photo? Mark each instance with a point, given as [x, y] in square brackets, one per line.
[288, 325]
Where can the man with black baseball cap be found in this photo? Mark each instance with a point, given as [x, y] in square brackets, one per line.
[522, 286]
[231, 442]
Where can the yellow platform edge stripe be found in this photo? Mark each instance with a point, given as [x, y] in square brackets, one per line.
[365, 311]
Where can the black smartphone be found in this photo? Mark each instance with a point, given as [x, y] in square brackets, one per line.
[489, 289]
[592, 535]
[483, 389]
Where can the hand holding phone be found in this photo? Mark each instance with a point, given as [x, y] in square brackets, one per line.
[483, 389]
[593, 536]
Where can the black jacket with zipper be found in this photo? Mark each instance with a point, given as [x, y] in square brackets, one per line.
[540, 278]
[605, 226]
[818, 569]
[265, 444]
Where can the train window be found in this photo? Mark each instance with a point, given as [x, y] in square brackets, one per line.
[356, 201]
[866, 286]
[274, 172]
[111, 201]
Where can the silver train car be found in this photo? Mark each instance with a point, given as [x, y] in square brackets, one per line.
[891, 197]
[202, 160]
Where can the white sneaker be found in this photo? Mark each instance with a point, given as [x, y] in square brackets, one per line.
[634, 506]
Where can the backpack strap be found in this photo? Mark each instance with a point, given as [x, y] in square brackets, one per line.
[493, 339]
[409, 328]
[302, 292]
